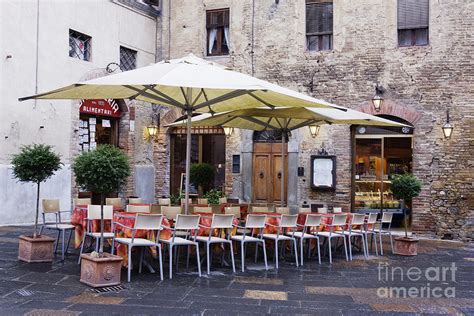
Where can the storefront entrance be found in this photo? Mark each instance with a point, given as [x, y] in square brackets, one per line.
[380, 153]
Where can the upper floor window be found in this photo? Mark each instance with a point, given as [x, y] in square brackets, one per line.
[128, 58]
[79, 45]
[319, 24]
[413, 17]
[217, 24]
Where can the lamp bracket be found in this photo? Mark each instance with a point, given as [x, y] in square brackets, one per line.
[379, 89]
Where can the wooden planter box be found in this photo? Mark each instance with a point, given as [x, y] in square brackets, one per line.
[406, 246]
[39, 249]
[100, 272]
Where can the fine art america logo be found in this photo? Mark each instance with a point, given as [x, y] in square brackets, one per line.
[415, 282]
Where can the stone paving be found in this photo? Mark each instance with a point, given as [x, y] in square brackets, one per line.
[373, 286]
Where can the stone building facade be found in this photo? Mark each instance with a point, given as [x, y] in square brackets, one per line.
[268, 39]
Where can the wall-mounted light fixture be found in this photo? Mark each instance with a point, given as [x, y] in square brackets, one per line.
[377, 99]
[447, 127]
[314, 130]
[151, 131]
[228, 130]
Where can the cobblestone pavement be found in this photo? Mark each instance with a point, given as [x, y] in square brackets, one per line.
[344, 288]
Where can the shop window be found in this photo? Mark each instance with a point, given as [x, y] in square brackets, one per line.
[128, 58]
[413, 22]
[319, 24]
[217, 25]
[235, 163]
[79, 45]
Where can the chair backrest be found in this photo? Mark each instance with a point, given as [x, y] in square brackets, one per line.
[203, 209]
[202, 201]
[304, 210]
[187, 222]
[222, 220]
[372, 218]
[387, 217]
[114, 201]
[170, 212]
[358, 219]
[339, 219]
[337, 209]
[255, 221]
[232, 210]
[165, 202]
[288, 220]
[282, 210]
[155, 208]
[50, 205]
[322, 210]
[139, 208]
[222, 200]
[260, 209]
[82, 201]
[312, 220]
[190, 201]
[93, 212]
[149, 221]
[135, 201]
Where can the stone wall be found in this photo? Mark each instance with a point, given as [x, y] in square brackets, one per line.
[268, 40]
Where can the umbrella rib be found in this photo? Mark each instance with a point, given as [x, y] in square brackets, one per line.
[225, 97]
[46, 93]
[197, 97]
[254, 120]
[148, 95]
[261, 100]
[305, 123]
[167, 97]
[184, 96]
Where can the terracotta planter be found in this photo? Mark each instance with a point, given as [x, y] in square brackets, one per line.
[100, 272]
[39, 249]
[406, 246]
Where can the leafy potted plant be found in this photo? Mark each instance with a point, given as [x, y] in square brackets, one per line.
[103, 170]
[202, 176]
[35, 163]
[405, 187]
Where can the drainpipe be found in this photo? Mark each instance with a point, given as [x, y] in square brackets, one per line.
[253, 38]
[37, 49]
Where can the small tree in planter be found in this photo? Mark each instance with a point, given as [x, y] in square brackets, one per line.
[213, 196]
[103, 170]
[36, 163]
[202, 175]
[405, 187]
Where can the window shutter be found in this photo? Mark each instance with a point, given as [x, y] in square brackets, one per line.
[219, 18]
[319, 17]
[413, 14]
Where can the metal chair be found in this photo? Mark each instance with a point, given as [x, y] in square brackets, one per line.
[336, 210]
[164, 202]
[310, 231]
[202, 202]
[138, 208]
[135, 201]
[82, 201]
[117, 202]
[224, 224]
[235, 210]
[52, 206]
[260, 209]
[183, 201]
[387, 220]
[282, 210]
[304, 210]
[286, 222]
[222, 200]
[203, 209]
[93, 213]
[356, 220]
[150, 222]
[189, 224]
[338, 220]
[369, 229]
[170, 212]
[253, 222]
[322, 210]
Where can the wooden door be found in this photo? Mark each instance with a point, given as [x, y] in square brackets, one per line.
[267, 172]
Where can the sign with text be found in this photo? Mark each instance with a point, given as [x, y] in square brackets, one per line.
[108, 108]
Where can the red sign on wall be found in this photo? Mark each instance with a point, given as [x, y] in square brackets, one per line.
[108, 108]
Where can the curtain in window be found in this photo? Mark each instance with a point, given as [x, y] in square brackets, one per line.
[413, 14]
[212, 39]
[226, 34]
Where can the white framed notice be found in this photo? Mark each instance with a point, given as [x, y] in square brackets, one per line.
[105, 123]
[323, 172]
[92, 128]
[92, 120]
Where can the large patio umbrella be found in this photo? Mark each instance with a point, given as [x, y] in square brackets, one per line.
[286, 119]
[191, 84]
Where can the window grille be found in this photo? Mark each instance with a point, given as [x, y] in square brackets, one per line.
[128, 58]
[79, 45]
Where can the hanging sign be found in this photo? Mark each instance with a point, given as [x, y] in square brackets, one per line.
[100, 108]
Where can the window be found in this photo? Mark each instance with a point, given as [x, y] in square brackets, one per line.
[128, 58]
[235, 163]
[217, 24]
[319, 24]
[413, 17]
[79, 45]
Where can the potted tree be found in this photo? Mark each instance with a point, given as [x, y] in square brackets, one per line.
[202, 175]
[405, 187]
[103, 170]
[35, 163]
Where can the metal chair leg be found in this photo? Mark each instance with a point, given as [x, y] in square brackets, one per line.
[264, 254]
[242, 255]
[301, 250]
[330, 250]
[63, 239]
[141, 259]
[129, 263]
[171, 260]
[391, 241]
[380, 239]
[232, 256]
[187, 257]
[345, 248]
[276, 253]
[82, 248]
[350, 247]
[161, 262]
[198, 260]
[69, 240]
[319, 250]
[293, 241]
[57, 242]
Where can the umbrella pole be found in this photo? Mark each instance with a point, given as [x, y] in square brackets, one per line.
[188, 162]
[282, 192]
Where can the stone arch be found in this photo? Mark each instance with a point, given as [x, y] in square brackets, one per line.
[393, 108]
[170, 116]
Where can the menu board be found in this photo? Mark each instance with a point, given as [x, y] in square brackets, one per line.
[323, 172]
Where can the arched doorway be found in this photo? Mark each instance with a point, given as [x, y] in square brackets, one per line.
[379, 154]
[267, 162]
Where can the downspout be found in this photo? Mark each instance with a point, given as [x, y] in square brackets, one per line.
[169, 29]
[253, 38]
[37, 49]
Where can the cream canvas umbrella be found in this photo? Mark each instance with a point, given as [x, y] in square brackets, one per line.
[286, 119]
[191, 84]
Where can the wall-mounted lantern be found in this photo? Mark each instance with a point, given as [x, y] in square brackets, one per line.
[314, 129]
[377, 99]
[153, 128]
[228, 130]
[447, 127]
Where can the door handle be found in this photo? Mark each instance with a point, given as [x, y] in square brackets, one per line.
[261, 175]
[279, 175]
